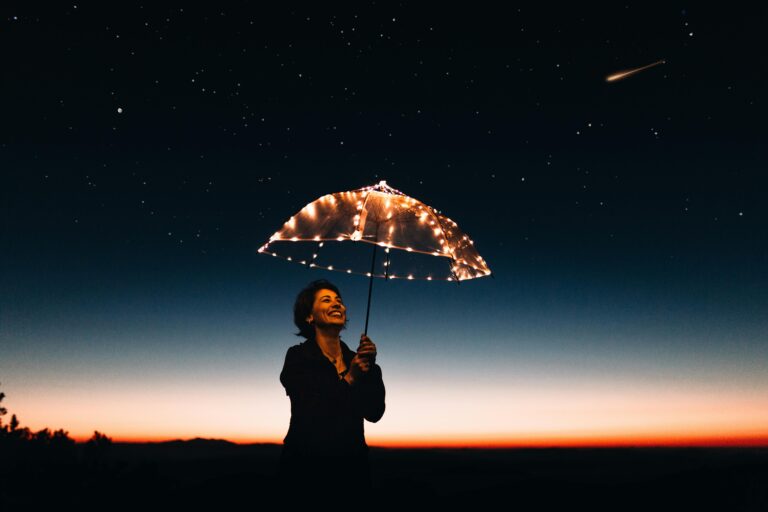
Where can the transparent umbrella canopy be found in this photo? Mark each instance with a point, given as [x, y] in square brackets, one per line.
[429, 245]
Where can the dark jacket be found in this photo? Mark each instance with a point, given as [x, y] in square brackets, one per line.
[327, 413]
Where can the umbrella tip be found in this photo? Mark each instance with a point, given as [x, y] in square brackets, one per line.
[383, 183]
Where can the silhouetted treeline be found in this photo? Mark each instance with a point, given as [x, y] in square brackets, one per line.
[13, 437]
[38, 466]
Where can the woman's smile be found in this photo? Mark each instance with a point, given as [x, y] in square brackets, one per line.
[328, 308]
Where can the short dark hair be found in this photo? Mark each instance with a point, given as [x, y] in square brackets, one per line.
[303, 306]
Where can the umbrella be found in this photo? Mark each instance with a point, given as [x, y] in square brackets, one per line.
[381, 216]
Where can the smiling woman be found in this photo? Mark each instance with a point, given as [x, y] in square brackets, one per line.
[332, 390]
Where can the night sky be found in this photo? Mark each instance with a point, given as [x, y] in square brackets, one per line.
[147, 153]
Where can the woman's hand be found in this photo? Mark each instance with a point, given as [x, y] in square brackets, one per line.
[367, 350]
[364, 359]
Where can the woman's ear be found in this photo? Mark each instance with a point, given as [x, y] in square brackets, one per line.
[310, 319]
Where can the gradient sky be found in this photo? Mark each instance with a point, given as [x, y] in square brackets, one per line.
[148, 152]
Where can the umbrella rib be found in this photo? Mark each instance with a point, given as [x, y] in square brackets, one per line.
[453, 260]
[363, 217]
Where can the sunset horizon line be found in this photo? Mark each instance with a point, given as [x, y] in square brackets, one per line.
[710, 442]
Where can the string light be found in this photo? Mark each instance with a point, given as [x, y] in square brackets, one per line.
[322, 220]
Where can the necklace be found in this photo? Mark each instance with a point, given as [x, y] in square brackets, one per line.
[338, 363]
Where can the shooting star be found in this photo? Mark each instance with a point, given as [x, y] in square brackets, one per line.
[624, 74]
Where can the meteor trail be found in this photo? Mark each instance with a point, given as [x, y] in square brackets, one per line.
[624, 74]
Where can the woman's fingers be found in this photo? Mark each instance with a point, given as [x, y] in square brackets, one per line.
[366, 354]
[363, 364]
[369, 345]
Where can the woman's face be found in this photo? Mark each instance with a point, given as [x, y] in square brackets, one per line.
[327, 310]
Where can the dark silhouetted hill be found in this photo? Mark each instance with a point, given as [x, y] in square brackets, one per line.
[218, 473]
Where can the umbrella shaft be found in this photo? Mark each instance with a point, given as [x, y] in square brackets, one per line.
[370, 289]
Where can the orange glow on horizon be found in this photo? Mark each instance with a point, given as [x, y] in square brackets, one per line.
[647, 441]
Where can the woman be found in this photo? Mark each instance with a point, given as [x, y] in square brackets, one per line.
[332, 389]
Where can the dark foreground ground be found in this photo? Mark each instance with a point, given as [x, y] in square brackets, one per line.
[217, 473]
